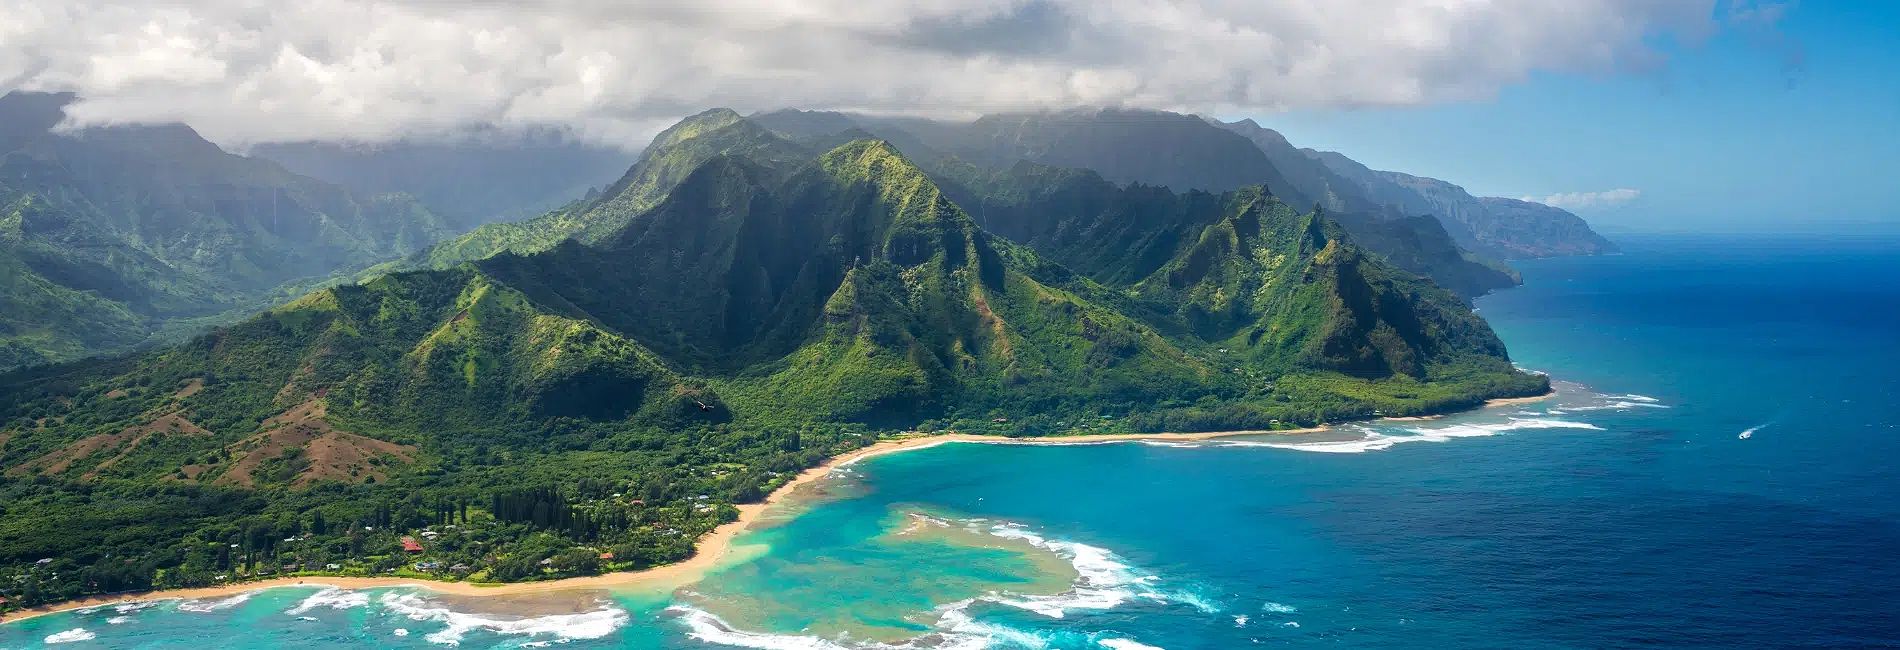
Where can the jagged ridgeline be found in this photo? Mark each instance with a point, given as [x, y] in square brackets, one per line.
[771, 287]
[740, 307]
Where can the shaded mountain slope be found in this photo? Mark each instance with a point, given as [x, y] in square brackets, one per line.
[109, 236]
[1502, 228]
[471, 182]
[1181, 153]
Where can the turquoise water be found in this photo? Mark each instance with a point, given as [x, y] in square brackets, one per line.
[1629, 510]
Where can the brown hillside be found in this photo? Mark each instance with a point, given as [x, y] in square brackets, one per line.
[119, 444]
[324, 453]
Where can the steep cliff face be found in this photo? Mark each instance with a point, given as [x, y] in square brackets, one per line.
[1501, 228]
[1166, 151]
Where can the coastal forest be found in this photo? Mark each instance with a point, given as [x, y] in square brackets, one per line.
[220, 370]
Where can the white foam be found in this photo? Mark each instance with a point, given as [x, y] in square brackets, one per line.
[704, 626]
[1278, 608]
[401, 632]
[118, 620]
[69, 636]
[333, 598]
[202, 606]
[127, 608]
[1126, 644]
[1613, 405]
[1241, 620]
[1374, 440]
[1104, 580]
[965, 633]
[589, 625]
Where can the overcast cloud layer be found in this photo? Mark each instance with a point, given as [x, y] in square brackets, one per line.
[245, 72]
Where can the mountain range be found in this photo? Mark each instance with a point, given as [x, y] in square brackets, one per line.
[751, 297]
[477, 179]
[1186, 153]
[112, 236]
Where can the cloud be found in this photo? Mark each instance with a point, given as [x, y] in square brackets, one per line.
[1587, 200]
[373, 70]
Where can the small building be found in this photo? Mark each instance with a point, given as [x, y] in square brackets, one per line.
[410, 545]
[607, 555]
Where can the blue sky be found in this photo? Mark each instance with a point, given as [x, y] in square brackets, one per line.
[1747, 131]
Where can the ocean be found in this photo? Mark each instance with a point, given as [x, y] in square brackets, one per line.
[1717, 470]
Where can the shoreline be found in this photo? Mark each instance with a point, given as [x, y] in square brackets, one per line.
[710, 549]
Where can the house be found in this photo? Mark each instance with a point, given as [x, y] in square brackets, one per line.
[607, 555]
[410, 545]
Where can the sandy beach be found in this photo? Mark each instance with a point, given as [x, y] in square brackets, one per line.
[712, 548]
[1507, 401]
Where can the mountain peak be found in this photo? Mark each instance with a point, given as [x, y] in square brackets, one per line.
[695, 125]
[868, 159]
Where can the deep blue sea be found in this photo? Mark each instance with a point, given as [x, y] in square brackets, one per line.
[1720, 469]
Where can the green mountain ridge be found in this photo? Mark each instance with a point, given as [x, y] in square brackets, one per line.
[1180, 152]
[115, 236]
[737, 309]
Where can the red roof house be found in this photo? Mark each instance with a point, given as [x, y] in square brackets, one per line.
[410, 545]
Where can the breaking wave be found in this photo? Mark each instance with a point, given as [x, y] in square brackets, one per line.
[1126, 644]
[589, 625]
[69, 636]
[204, 606]
[1373, 439]
[1104, 581]
[333, 598]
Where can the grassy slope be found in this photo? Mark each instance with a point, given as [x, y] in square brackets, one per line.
[764, 315]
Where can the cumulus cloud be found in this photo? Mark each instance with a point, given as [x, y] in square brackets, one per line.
[1587, 200]
[373, 70]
